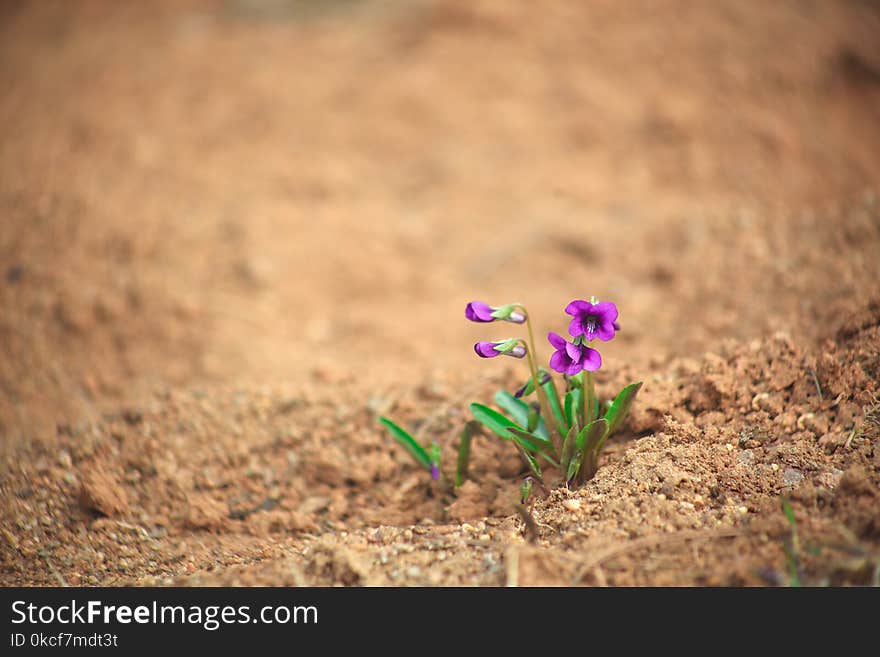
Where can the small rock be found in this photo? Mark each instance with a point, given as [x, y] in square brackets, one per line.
[792, 477]
[64, 459]
[571, 504]
[204, 512]
[833, 440]
[313, 505]
[829, 479]
[101, 492]
[816, 424]
[746, 457]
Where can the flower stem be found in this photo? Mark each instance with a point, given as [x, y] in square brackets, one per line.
[543, 402]
[589, 398]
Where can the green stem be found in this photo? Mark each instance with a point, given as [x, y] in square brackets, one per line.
[543, 401]
[589, 397]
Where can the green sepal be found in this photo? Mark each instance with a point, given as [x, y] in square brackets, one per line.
[503, 312]
[505, 346]
[525, 490]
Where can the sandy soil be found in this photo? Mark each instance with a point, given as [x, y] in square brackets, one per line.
[233, 233]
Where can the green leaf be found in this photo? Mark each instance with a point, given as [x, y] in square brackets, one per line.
[435, 454]
[533, 443]
[493, 420]
[789, 513]
[409, 443]
[530, 461]
[568, 447]
[555, 407]
[574, 466]
[534, 419]
[620, 407]
[519, 411]
[464, 452]
[589, 445]
[591, 435]
[573, 403]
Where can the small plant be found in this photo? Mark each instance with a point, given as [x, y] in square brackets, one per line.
[566, 433]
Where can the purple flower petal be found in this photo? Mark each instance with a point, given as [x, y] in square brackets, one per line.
[486, 350]
[477, 311]
[574, 368]
[435, 472]
[576, 326]
[592, 359]
[606, 311]
[616, 326]
[573, 351]
[578, 306]
[590, 328]
[559, 361]
[605, 332]
[557, 340]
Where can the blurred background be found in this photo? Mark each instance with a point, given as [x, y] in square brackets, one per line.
[258, 191]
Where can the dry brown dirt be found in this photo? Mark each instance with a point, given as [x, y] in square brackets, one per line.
[234, 233]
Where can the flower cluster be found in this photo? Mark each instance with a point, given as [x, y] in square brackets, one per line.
[590, 320]
[565, 432]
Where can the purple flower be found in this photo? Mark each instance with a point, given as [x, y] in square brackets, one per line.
[504, 347]
[592, 321]
[477, 311]
[435, 472]
[570, 358]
